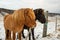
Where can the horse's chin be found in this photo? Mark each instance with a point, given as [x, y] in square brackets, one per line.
[42, 22]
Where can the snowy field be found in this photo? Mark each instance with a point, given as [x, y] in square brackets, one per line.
[52, 34]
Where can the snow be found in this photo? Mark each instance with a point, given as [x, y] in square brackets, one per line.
[51, 33]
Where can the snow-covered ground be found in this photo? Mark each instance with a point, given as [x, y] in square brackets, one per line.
[52, 34]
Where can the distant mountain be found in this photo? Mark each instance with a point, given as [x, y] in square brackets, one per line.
[6, 10]
[11, 11]
[53, 14]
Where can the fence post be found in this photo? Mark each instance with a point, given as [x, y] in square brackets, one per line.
[56, 24]
[45, 25]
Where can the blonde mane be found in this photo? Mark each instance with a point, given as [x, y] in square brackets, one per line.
[29, 17]
[26, 15]
[18, 16]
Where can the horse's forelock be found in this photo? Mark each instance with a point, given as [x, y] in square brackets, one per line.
[41, 11]
[30, 16]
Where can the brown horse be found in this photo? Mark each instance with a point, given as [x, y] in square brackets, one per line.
[16, 21]
[39, 13]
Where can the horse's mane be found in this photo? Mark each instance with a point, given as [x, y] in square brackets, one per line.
[39, 11]
[18, 15]
[30, 13]
[24, 14]
[30, 17]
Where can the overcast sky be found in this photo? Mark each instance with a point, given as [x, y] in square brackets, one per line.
[50, 5]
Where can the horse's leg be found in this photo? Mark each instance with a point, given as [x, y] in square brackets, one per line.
[19, 36]
[29, 34]
[14, 36]
[8, 34]
[23, 33]
[33, 34]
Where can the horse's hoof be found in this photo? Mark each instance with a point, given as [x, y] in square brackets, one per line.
[8, 39]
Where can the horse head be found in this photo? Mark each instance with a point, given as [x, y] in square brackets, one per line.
[39, 13]
[30, 18]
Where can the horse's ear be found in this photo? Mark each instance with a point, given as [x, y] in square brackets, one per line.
[37, 10]
[43, 11]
